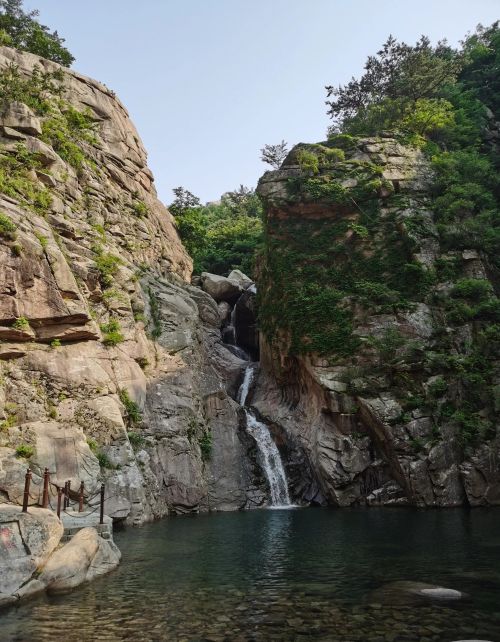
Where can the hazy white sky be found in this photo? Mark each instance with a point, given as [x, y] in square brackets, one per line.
[209, 82]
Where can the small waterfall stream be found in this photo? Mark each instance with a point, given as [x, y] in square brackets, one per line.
[269, 453]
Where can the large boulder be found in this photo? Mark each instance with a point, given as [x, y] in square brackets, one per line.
[19, 116]
[26, 543]
[241, 278]
[84, 557]
[220, 287]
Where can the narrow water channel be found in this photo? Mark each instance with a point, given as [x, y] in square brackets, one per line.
[303, 574]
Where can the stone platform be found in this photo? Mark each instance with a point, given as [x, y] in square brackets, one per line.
[73, 521]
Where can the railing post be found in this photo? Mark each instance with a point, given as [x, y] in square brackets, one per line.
[45, 496]
[67, 488]
[27, 481]
[101, 518]
[59, 499]
[80, 498]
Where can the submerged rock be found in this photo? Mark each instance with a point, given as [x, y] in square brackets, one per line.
[407, 592]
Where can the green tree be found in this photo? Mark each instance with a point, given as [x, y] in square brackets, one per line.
[274, 155]
[395, 79]
[19, 29]
[219, 236]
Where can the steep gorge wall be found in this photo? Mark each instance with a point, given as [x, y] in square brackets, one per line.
[112, 366]
[369, 368]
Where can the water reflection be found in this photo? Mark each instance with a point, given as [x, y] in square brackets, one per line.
[282, 575]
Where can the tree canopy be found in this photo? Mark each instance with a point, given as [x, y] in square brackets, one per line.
[220, 236]
[21, 30]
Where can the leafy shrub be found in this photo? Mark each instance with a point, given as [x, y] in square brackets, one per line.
[220, 236]
[17, 249]
[42, 239]
[308, 161]
[66, 132]
[205, 443]
[22, 324]
[8, 229]
[140, 209]
[107, 265]
[438, 387]
[104, 461]
[25, 451]
[112, 332]
[136, 440]
[134, 414]
[16, 180]
[472, 289]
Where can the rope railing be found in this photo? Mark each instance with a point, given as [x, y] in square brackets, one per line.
[63, 496]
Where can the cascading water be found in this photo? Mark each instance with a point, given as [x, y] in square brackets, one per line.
[269, 453]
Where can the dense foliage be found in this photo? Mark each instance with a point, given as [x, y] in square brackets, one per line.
[21, 30]
[219, 236]
[445, 102]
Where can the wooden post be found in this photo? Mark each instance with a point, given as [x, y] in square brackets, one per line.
[59, 499]
[66, 495]
[80, 498]
[26, 496]
[101, 518]
[45, 496]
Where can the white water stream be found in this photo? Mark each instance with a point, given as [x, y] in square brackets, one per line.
[269, 453]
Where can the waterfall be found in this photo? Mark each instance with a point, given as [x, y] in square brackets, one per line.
[271, 460]
[229, 332]
[269, 453]
[245, 386]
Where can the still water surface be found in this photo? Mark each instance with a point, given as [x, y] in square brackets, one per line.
[305, 574]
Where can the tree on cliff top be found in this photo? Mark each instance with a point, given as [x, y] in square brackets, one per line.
[274, 155]
[19, 29]
[397, 80]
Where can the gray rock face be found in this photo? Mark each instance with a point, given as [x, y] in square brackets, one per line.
[373, 424]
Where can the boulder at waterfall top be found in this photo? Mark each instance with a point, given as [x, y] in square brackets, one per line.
[223, 288]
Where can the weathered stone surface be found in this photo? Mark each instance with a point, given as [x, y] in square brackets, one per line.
[20, 117]
[26, 542]
[82, 559]
[241, 278]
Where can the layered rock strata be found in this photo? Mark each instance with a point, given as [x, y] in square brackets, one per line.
[112, 365]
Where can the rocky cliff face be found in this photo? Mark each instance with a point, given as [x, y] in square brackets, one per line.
[371, 368]
[112, 366]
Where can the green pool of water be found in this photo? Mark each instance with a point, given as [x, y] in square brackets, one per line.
[304, 574]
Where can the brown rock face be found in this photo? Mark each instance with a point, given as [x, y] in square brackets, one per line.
[91, 268]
